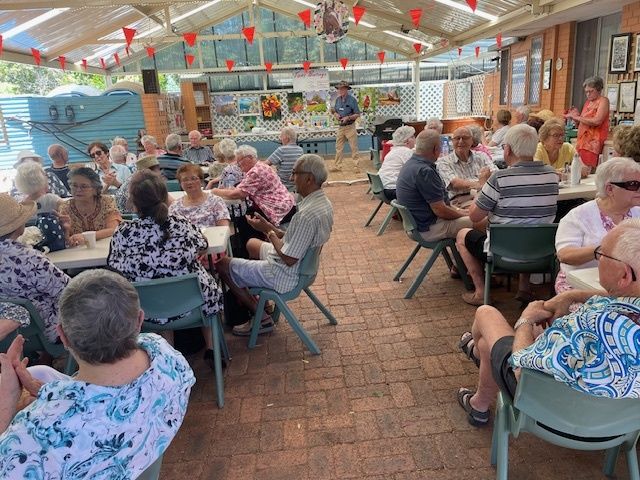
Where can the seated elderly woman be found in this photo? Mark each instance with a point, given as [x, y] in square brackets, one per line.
[582, 229]
[477, 134]
[56, 186]
[503, 117]
[32, 182]
[27, 273]
[150, 145]
[403, 139]
[203, 209]
[231, 174]
[112, 175]
[130, 159]
[626, 141]
[120, 411]
[88, 210]
[553, 150]
[159, 245]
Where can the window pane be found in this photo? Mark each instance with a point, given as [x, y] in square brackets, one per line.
[313, 48]
[221, 83]
[396, 74]
[535, 70]
[251, 82]
[232, 50]
[209, 58]
[518, 81]
[330, 54]
[231, 25]
[269, 47]
[280, 80]
[504, 77]
[351, 49]
[172, 58]
[291, 50]
[267, 23]
[370, 75]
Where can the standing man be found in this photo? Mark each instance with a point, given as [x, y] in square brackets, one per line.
[198, 153]
[346, 111]
[59, 163]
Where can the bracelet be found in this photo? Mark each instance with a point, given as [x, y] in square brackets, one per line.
[523, 321]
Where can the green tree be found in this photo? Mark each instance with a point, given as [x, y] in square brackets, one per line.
[21, 79]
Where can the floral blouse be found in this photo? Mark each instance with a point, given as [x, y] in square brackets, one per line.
[15, 313]
[139, 253]
[231, 176]
[77, 430]
[27, 273]
[97, 220]
[203, 215]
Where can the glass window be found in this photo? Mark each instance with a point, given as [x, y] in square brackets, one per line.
[280, 80]
[518, 80]
[231, 49]
[535, 70]
[172, 58]
[351, 49]
[504, 77]
[223, 83]
[209, 57]
[396, 74]
[251, 81]
[291, 50]
[231, 25]
[285, 23]
[266, 19]
[270, 52]
[330, 52]
[370, 75]
[313, 49]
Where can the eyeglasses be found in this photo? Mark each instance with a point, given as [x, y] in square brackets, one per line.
[293, 172]
[76, 186]
[190, 179]
[597, 254]
[557, 135]
[503, 146]
[464, 139]
[631, 185]
[97, 153]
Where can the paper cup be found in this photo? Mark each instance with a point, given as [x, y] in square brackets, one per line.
[89, 239]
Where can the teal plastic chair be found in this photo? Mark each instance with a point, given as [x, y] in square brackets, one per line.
[558, 414]
[438, 248]
[153, 471]
[181, 296]
[35, 339]
[378, 192]
[173, 186]
[307, 275]
[375, 159]
[520, 249]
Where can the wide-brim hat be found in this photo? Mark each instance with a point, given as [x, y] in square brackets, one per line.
[24, 154]
[14, 215]
[147, 162]
[343, 84]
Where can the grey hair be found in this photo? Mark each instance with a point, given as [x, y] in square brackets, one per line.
[476, 134]
[117, 152]
[227, 147]
[289, 133]
[522, 139]
[613, 170]
[426, 141]
[594, 82]
[313, 164]
[98, 313]
[434, 124]
[402, 135]
[197, 132]
[173, 142]
[119, 141]
[90, 175]
[31, 178]
[524, 110]
[627, 247]
[246, 151]
[148, 139]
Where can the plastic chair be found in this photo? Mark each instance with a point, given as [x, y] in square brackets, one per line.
[307, 275]
[181, 296]
[378, 192]
[520, 249]
[556, 413]
[438, 247]
[173, 186]
[35, 339]
[153, 471]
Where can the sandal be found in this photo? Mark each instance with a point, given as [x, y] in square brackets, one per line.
[467, 344]
[475, 417]
[244, 330]
[471, 299]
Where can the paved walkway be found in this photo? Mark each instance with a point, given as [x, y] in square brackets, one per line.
[379, 403]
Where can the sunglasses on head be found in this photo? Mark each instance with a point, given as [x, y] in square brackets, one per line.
[97, 153]
[631, 185]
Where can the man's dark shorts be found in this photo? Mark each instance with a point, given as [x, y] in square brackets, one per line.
[501, 367]
[474, 241]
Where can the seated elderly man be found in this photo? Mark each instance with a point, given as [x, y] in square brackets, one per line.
[196, 152]
[286, 155]
[464, 169]
[521, 115]
[130, 157]
[403, 139]
[421, 190]
[275, 263]
[171, 161]
[59, 156]
[56, 186]
[590, 349]
[524, 193]
[120, 411]
[118, 155]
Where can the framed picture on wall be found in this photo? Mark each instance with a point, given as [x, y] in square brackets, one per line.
[619, 51]
[627, 102]
[612, 95]
[546, 74]
[636, 61]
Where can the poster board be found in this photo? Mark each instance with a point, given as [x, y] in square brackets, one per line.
[313, 80]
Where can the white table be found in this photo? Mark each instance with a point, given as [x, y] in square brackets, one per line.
[585, 189]
[584, 279]
[83, 257]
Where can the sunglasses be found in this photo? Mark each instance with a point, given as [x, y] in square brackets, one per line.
[631, 185]
[97, 153]
[597, 254]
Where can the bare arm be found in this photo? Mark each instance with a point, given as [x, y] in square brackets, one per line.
[576, 255]
[476, 214]
[601, 114]
[277, 243]
[230, 193]
[446, 212]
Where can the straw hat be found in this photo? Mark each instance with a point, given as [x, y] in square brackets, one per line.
[14, 215]
[24, 154]
[147, 162]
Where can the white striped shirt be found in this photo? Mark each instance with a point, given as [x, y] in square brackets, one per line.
[451, 167]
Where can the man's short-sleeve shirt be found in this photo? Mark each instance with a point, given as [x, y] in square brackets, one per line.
[346, 107]
[450, 167]
[285, 157]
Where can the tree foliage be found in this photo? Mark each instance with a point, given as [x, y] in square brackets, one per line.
[21, 79]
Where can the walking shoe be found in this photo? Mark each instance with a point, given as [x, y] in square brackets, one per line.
[244, 330]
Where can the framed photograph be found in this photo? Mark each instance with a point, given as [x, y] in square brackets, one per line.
[619, 51]
[636, 61]
[546, 74]
[612, 95]
[249, 106]
[627, 102]
[225, 105]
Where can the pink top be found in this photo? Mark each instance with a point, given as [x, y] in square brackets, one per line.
[266, 190]
[484, 149]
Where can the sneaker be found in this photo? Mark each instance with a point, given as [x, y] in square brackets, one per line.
[244, 330]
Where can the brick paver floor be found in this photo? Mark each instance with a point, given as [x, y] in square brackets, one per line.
[379, 402]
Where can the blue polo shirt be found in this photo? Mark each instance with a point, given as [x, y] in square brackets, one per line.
[418, 185]
[346, 107]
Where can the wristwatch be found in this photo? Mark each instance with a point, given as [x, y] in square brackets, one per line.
[269, 233]
[523, 321]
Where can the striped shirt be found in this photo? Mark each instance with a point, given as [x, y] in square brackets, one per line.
[451, 167]
[170, 163]
[199, 155]
[285, 157]
[525, 193]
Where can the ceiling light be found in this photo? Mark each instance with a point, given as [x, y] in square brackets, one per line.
[33, 22]
[467, 8]
[408, 38]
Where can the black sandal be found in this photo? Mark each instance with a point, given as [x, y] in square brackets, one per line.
[466, 344]
[475, 417]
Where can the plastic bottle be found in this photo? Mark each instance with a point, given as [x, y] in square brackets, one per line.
[576, 169]
[444, 147]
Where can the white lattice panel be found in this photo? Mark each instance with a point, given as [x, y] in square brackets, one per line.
[477, 96]
[431, 99]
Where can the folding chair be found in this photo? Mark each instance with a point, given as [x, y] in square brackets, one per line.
[378, 192]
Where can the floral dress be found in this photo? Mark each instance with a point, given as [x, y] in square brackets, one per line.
[203, 215]
[97, 220]
[139, 252]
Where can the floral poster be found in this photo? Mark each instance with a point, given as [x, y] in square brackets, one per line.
[248, 106]
[316, 101]
[225, 105]
[295, 102]
[271, 107]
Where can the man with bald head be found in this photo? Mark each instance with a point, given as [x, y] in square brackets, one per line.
[464, 169]
[59, 163]
[420, 189]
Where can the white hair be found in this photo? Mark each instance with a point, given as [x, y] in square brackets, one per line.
[476, 132]
[195, 133]
[227, 147]
[289, 133]
[173, 142]
[434, 124]
[246, 151]
[524, 111]
[402, 135]
[613, 170]
[117, 152]
[313, 164]
[426, 141]
[522, 139]
[149, 139]
[31, 178]
[119, 141]
[627, 247]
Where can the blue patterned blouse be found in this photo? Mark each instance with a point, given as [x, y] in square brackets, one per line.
[595, 350]
[75, 430]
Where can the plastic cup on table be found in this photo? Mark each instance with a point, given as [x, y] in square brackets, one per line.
[89, 239]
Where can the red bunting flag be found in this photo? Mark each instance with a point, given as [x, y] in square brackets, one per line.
[477, 52]
[103, 63]
[381, 56]
[36, 55]
[190, 58]
[128, 34]
[116, 57]
[499, 41]
[306, 65]
[190, 38]
[84, 64]
[0, 44]
[151, 52]
[248, 33]
[358, 12]
[417, 47]
[416, 14]
[230, 64]
[473, 4]
[305, 16]
[62, 61]
[268, 66]
[343, 62]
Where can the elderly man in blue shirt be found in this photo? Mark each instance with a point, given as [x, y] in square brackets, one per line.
[346, 111]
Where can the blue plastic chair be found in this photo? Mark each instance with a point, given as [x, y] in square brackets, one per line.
[153, 471]
[307, 275]
[181, 297]
[438, 248]
[173, 186]
[556, 413]
[378, 192]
